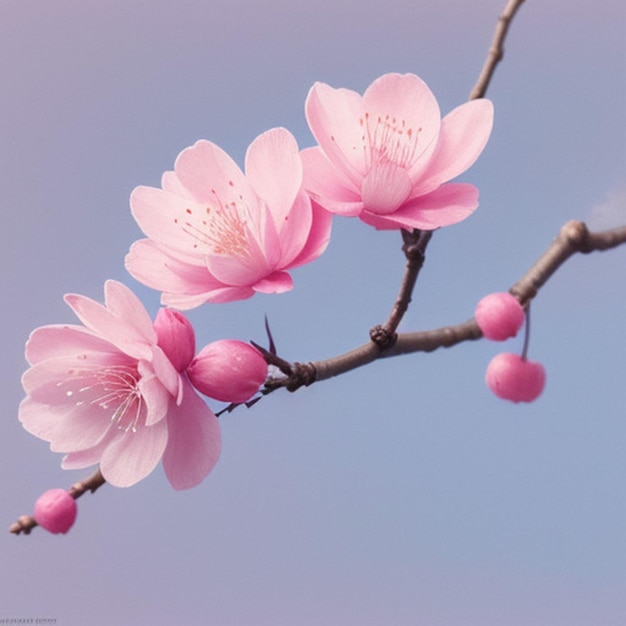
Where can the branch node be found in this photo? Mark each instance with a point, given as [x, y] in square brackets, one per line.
[303, 375]
[382, 337]
[577, 236]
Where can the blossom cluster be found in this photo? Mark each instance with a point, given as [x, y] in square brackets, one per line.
[121, 390]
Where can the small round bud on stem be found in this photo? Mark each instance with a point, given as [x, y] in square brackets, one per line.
[499, 316]
[56, 511]
[514, 378]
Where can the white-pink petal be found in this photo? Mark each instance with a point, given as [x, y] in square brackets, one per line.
[335, 119]
[319, 236]
[133, 455]
[61, 340]
[124, 304]
[324, 182]
[449, 204]
[207, 172]
[278, 282]
[101, 321]
[194, 441]
[401, 106]
[274, 169]
[464, 134]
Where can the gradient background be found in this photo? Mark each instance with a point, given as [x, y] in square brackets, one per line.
[403, 493]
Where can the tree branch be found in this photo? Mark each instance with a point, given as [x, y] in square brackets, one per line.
[496, 50]
[572, 238]
[25, 523]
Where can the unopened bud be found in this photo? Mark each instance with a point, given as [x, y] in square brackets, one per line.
[228, 370]
[499, 316]
[56, 511]
[176, 337]
[513, 378]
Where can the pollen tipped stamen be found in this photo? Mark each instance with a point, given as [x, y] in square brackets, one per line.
[223, 230]
[389, 141]
[117, 387]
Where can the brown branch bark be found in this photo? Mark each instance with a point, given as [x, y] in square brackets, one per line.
[572, 238]
[25, 523]
[496, 50]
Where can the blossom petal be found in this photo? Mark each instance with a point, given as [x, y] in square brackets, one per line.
[68, 427]
[464, 134]
[385, 188]
[84, 458]
[295, 230]
[208, 173]
[171, 220]
[194, 441]
[103, 322]
[156, 396]
[64, 340]
[123, 303]
[326, 185]
[49, 379]
[278, 282]
[170, 182]
[334, 119]
[154, 267]
[220, 295]
[133, 455]
[274, 169]
[319, 236]
[447, 205]
[406, 104]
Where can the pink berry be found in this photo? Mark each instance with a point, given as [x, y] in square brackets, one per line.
[512, 378]
[56, 511]
[499, 316]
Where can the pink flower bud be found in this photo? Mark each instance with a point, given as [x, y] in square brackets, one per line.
[512, 378]
[228, 370]
[499, 316]
[56, 511]
[176, 337]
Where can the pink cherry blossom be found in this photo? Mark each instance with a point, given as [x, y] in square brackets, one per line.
[106, 392]
[217, 235]
[499, 316]
[56, 511]
[511, 377]
[386, 156]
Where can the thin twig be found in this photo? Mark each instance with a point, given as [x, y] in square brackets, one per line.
[496, 50]
[26, 523]
[414, 249]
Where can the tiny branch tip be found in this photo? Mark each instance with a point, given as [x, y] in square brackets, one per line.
[25, 523]
[496, 49]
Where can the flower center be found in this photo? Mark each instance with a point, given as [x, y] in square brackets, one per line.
[220, 228]
[388, 141]
[390, 149]
[114, 389]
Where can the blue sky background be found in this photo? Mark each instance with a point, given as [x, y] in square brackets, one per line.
[402, 493]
